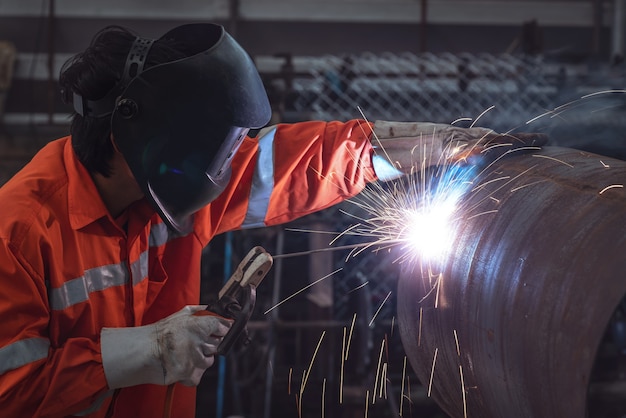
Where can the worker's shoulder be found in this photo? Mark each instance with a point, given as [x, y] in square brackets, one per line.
[35, 191]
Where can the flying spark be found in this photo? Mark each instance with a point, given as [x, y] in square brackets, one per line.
[612, 186]
[402, 388]
[417, 213]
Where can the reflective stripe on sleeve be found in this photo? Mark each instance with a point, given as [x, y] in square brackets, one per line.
[262, 182]
[23, 352]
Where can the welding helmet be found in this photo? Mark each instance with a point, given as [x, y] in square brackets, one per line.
[178, 124]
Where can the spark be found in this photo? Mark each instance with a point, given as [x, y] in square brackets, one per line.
[463, 392]
[374, 134]
[307, 372]
[359, 286]
[323, 396]
[432, 372]
[402, 386]
[612, 186]
[318, 250]
[513, 190]
[477, 204]
[379, 308]
[553, 159]
[481, 115]
[438, 284]
[301, 290]
[383, 381]
[487, 212]
[343, 358]
[557, 111]
[350, 335]
[299, 397]
[416, 212]
[367, 403]
[408, 386]
[456, 340]
[417, 217]
[380, 358]
[458, 352]
[419, 212]
[604, 164]
[419, 330]
[461, 120]
[289, 381]
[484, 184]
[597, 93]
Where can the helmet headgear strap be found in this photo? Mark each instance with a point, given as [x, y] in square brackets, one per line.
[135, 61]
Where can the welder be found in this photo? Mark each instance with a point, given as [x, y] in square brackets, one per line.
[102, 231]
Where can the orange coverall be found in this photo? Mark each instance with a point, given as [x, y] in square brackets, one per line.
[67, 268]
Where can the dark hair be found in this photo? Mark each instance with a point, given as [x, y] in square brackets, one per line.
[92, 74]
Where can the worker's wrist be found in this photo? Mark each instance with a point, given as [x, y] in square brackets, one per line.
[130, 356]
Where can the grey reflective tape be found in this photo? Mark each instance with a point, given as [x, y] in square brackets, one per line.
[262, 182]
[96, 405]
[159, 235]
[23, 352]
[100, 278]
[93, 280]
[139, 268]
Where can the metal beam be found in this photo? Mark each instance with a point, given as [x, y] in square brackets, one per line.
[466, 12]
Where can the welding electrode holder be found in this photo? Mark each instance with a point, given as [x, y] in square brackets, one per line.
[237, 297]
[239, 311]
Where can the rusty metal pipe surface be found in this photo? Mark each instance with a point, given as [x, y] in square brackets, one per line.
[528, 291]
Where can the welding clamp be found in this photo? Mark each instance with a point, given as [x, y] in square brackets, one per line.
[237, 297]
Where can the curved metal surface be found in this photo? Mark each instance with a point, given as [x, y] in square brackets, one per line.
[528, 291]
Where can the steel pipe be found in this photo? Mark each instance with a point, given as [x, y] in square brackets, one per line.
[525, 298]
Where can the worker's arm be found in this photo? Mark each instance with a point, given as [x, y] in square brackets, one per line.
[291, 170]
[178, 348]
[52, 376]
[414, 146]
[38, 378]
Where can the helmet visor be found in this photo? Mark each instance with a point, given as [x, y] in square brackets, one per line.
[179, 124]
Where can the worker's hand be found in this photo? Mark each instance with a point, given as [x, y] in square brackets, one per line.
[178, 348]
[412, 146]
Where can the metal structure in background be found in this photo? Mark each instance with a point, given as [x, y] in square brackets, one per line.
[529, 320]
[429, 87]
[505, 92]
[7, 60]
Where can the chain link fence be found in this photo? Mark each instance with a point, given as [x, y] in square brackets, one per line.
[504, 92]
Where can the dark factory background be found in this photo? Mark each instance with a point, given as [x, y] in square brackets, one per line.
[507, 61]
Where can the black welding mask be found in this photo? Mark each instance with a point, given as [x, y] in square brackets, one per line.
[179, 124]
